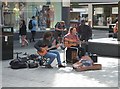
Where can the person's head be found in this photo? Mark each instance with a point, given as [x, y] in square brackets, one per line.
[73, 30]
[33, 17]
[47, 36]
[22, 22]
[62, 23]
[82, 22]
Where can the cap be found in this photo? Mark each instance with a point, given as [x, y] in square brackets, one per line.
[62, 21]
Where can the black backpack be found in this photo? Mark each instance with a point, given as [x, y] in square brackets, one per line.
[18, 64]
[30, 26]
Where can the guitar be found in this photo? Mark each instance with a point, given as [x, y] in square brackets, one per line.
[44, 50]
[69, 44]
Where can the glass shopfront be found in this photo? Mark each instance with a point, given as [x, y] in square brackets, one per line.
[78, 14]
[47, 14]
[105, 14]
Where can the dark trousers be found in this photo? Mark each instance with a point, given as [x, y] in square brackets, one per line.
[33, 33]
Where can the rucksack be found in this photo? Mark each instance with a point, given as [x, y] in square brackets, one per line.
[30, 26]
[18, 64]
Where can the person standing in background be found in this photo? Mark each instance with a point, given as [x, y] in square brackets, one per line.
[85, 33]
[23, 32]
[34, 28]
[115, 30]
[59, 29]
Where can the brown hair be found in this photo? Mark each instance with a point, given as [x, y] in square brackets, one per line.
[47, 34]
[70, 30]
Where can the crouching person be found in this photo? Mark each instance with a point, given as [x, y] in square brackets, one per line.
[86, 63]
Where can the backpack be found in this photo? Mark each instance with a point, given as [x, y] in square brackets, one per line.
[30, 26]
[18, 64]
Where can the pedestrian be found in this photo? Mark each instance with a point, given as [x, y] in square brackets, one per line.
[59, 29]
[85, 33]
[42, 47]
[23, 32]
[34, 28]
[115, 30]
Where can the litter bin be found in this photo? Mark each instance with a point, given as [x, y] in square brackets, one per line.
[7, 43]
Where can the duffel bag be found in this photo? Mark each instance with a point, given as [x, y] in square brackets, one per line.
[17, 64]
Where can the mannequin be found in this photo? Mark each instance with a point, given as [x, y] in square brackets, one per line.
[21, 14]
[51, 16]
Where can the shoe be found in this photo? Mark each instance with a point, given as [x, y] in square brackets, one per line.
[22, 45]
[48, 66]
[33, 40]
[61, 66]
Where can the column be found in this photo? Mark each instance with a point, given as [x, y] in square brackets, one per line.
[90, 14]
[66, 12]
[119, 21]
[0, 33]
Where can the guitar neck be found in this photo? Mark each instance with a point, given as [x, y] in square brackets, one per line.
[51, 47]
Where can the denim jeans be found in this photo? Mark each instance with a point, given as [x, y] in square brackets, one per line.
[52, 54]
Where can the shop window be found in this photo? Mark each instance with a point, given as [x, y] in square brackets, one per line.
[104, 15]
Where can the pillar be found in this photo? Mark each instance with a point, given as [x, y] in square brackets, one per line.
[119, 21]
[90, 13]
[66, 12]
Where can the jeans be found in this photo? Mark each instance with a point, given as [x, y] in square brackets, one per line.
[33, 33]
[52, 54]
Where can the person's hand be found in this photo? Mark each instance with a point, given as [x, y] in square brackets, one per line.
[46, 47]
[57, 45]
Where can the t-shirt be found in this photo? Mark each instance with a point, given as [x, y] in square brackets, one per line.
[34, 24]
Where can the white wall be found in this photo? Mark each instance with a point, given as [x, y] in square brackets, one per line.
[94, 1]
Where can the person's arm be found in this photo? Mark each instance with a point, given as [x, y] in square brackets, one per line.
[115, 30]
[57, 27]
[38, 45]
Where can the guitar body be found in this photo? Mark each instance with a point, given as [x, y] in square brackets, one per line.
[42, 52]
[69, 44]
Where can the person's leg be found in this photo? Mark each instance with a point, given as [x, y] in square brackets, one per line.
[56, 36]
[23, 41]
[81, 52]
[58, 56]
[50, 55]
[33, 36]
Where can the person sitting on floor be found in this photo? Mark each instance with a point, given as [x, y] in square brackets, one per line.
[84, 61]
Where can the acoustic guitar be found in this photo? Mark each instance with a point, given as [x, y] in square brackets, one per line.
[69, 44]
[44, 51]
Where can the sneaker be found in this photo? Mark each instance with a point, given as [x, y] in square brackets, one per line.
[61, 66]
[48, 66]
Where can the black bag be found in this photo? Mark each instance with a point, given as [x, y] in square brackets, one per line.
[33, 57]
[32, 64]
[94, 57]
[17, 64]
[30, 26]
